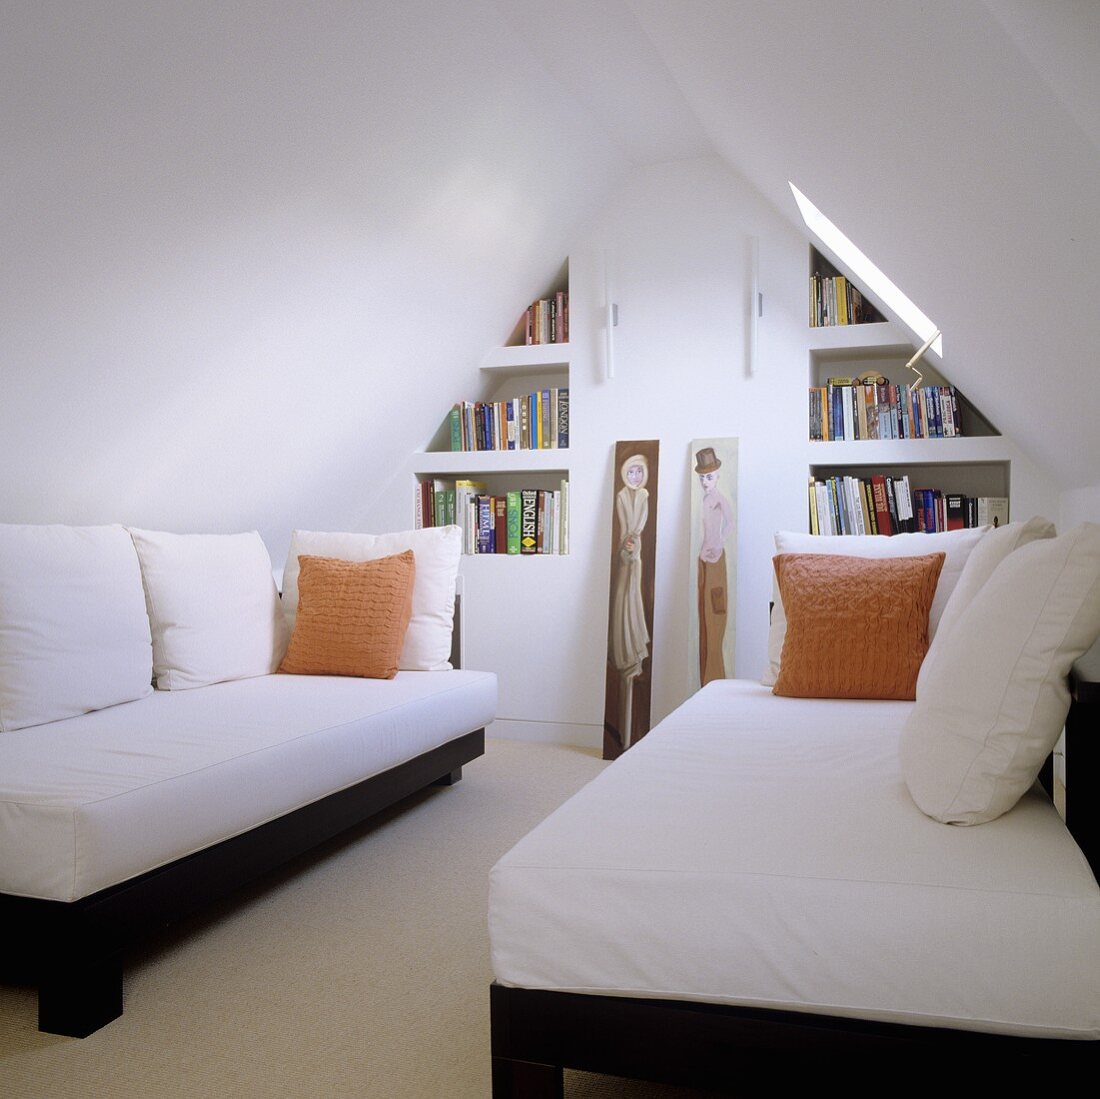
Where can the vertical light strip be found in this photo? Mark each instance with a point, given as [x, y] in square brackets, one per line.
[611, 319]
[755, 303]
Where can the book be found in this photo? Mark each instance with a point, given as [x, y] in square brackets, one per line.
[524, 423]
[512, 507]
[992, 511]
[466, 493]
[547, 427]
[528, 528]
[883, 521]
[955, 504]
[540, 522]
[500, 524]
[418, 505]
[439, 501]
[563, 417]
[564, 547]
[484, 524]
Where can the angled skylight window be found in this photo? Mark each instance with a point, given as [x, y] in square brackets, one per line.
[865, 272]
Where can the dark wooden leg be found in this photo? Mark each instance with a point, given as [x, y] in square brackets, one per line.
[80, 994]
[450, 778]
[524, 1080]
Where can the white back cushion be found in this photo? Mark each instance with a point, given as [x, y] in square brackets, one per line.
[213, 607]
[956, 545]
[979, 567]
[437, 551]
[995, 699]
[74, 635]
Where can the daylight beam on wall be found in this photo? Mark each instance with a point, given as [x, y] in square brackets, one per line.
[867, 273]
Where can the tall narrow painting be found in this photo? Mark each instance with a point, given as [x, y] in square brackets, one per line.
[713, 560]
[630, 611]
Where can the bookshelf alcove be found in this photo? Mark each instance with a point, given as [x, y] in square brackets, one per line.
[514, 372]
[975, 463]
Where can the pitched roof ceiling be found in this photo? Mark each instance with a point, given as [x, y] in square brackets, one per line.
[958, 145]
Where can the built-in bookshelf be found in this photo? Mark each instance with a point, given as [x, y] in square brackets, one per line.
[904, 499]
[498, 465]
[870, 424]
[536, 420]
[834, 298]
[498, 516]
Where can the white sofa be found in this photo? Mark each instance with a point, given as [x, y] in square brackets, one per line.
[127, 814]
[764, 888]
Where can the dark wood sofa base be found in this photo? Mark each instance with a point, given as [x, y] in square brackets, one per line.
[74, 951]
[536, 1034]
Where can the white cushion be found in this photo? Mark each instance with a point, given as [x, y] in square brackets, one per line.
[956, 545]
[437, 551]
[995, 699]
[213, 607]
[979, 567]
[90, 802]
[74, 635]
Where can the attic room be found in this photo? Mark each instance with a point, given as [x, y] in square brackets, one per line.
[254, 255]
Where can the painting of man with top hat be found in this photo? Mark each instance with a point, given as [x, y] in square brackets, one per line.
[714, 525]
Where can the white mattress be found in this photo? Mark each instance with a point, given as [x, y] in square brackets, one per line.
[94, 800]
[764, 851]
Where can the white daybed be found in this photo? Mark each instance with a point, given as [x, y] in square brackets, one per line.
[752, 889]
[122, 808]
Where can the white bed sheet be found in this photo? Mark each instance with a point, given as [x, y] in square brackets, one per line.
[764, 851]
[94, 800]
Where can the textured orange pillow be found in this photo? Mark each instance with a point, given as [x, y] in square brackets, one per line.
[352, 616]
[857, 627]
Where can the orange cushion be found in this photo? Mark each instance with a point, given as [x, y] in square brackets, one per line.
[352, 616]
[857, 627]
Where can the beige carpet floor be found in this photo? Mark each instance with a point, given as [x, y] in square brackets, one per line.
[361, 970]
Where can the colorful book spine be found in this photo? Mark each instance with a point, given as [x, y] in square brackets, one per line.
[512, 507]
[484, 524]
[529, 512]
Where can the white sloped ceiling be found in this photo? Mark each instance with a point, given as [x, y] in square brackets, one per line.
[253, 251]
[956, 144]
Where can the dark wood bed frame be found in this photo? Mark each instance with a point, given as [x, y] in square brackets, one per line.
[535, 1034]
[74, 951]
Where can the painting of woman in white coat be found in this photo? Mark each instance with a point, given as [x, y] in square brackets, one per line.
[626, 715]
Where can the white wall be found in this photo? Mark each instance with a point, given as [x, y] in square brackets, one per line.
[677, 236]
[1080, 505]
[251, 249]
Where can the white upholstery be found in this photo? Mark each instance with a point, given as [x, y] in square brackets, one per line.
[956, 546]
[213, 607]
[74, 635]
[990, 551]
[764, 851]
[995, 699]
[98, 799]
[437, 551]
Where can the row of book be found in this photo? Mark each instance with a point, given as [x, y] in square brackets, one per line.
[889, 505]
[847, 408]
[537, 421]
[523, 521]
[547, 320]
[834, 300]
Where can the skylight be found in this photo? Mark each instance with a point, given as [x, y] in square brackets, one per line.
[865, 272]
